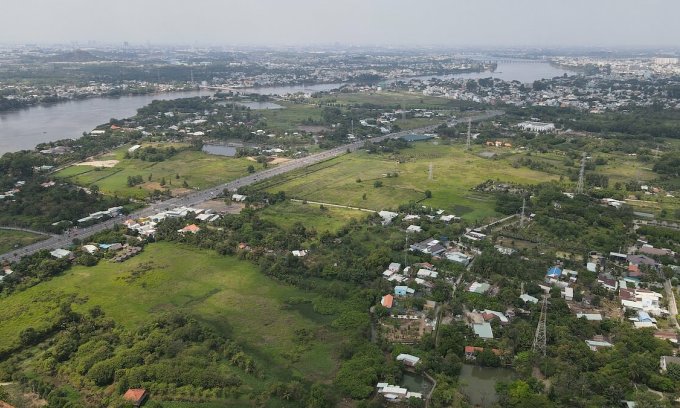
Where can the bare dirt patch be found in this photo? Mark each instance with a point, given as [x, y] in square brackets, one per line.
[312, 128]
[271, 160]
[181, 191]
[99, 163]
[221, 207]
[151, 186]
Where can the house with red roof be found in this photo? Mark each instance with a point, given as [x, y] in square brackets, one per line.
[136, 396]
[387, 301]
[193, 228]
[472, 351]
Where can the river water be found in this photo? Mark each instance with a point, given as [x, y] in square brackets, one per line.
[24, 129]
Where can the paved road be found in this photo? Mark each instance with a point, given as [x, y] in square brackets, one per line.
[333, 205]
[198, 197]
[671, 303]
[26, 230]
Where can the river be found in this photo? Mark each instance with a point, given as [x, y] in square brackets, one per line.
[25, 128]
[525, 71]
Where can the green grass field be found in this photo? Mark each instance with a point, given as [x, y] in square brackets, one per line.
[10, 239]
[291, 116]
[455, 172]
[391, 98]
[230, 295]
[198, 169]
[310, 215]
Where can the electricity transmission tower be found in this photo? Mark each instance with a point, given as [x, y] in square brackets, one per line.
[581, 175]
[469, 135]
[430, 174]
[521, 219]
[540, 337]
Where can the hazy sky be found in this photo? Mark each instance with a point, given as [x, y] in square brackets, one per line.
[349, 22]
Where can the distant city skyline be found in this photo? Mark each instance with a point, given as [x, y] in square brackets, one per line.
[450, 23]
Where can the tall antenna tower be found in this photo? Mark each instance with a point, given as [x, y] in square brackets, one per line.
[581, 175]
[469, 135]
[430, 174]
[540, 337]
[192, 76]
[521, 219]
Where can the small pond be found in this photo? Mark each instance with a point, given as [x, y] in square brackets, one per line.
[416, 383]
[479, 383]
[220, 150]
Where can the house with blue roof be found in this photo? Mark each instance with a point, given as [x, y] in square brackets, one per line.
[403, 291]
[554, 273]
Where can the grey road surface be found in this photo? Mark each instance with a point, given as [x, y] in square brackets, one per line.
[198, 197]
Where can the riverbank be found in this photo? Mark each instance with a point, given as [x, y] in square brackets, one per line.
[24, 129]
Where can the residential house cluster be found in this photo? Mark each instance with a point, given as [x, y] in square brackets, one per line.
[442, 249]
[146, 227]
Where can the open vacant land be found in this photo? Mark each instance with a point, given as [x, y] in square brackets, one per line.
[407, 100]
[291, 116]
[10, 239]
[230, 295]
[198, 169]
[310, 215]
[349, 180]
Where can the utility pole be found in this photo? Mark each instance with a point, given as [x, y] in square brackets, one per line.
[406, 251]
[430, 175]
[469, 134]
[581, 175]
[539, 345]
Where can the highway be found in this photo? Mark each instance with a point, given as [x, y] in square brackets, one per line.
[198, 197]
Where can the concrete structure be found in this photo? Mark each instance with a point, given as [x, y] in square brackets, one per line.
[591, 317]
[403, 291]
[458, 257]
[480, 288]
[596, 345]
[483, 330]
[60, 253]
[414, 228]
[528, 298]
[387, 216]
[538, 127]
[408, 359]
[426, 273]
